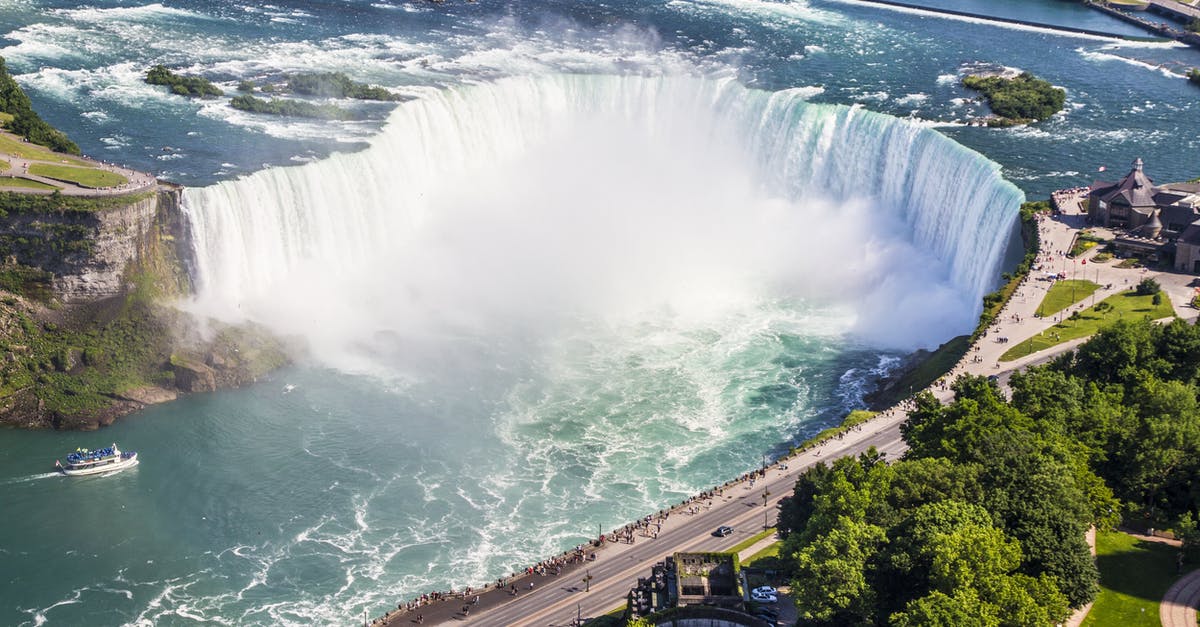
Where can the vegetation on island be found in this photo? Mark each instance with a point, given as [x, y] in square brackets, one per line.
[1018, 100]
[983, 520]
[20, 118]
[337, 85]
[1194, 75]
[290, 108]
[189, 86]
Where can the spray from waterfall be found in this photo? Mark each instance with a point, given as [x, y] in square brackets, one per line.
[531, 204]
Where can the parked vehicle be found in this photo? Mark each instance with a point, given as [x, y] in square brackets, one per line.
[763, 598]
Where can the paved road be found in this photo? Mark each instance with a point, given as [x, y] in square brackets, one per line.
[617, 568]
[1178, 607]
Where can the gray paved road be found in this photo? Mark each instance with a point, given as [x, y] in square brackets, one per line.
[740, 507]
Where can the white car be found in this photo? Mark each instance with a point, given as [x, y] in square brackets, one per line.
[765, 590]
[762, 598]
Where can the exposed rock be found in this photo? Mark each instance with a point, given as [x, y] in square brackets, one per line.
[192, 376]
[149, 395]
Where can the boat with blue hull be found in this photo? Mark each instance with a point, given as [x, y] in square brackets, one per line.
[84, 462]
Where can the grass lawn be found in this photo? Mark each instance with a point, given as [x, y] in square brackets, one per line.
[765, 554]
[9, 181]
[1065, 293]
[88, 177]
[4, 165]
[748, 542]
[1134, 575]
[1125, 304]
[13, 146]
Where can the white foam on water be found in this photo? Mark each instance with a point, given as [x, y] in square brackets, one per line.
[1154, 67]
[154, 12]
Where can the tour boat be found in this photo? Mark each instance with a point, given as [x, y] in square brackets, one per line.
[85, 462]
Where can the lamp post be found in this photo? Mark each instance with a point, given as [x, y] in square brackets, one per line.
[765, 495]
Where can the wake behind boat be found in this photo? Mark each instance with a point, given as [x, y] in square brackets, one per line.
[85, 462]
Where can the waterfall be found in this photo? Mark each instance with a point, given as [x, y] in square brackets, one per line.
[289, 242]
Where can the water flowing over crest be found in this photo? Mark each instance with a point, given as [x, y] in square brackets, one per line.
[530, 204]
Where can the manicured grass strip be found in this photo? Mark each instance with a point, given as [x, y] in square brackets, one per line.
[4, 165]
[12, 181]
[765, 554]
[25, 150]
[87, 177]
[748, 542]
[1115, 307]
[1134, 576]
[1063, 294]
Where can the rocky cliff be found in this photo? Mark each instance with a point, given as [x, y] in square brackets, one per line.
[88, 330]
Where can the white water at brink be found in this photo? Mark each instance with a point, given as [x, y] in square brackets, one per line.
[530, 204]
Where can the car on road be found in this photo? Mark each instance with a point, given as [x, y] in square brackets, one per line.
[723, 531]
[765, 590]
[763, 598]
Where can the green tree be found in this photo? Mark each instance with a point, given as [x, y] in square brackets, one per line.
[939, 609]
[830, 585]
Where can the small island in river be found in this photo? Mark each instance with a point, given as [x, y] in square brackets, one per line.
[1017, 100]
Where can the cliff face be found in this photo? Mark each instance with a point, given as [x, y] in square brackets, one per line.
[88, 251]
[88, 332]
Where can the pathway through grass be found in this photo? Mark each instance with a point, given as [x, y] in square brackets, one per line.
[1065, 293]
[1134, 576]
[1123, 305]
[20, 183]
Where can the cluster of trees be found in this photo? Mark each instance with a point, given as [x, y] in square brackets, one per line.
[25, 122]
[190, 86]
[337, 85]
[1194, 75]
[1021, 99]
[290, 108]
[983, 521]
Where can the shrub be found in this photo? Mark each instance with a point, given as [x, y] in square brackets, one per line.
[1148, 286]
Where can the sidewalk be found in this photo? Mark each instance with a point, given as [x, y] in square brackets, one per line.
[1178, 608]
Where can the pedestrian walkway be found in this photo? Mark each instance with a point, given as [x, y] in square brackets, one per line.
[1178, 607]
[19, 169]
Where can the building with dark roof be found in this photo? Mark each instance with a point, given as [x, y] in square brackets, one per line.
[1154, 217]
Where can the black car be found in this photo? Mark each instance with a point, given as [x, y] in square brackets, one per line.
[723, 531]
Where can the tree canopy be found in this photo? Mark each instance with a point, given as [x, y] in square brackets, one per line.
[25, 121]
[983, 520]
